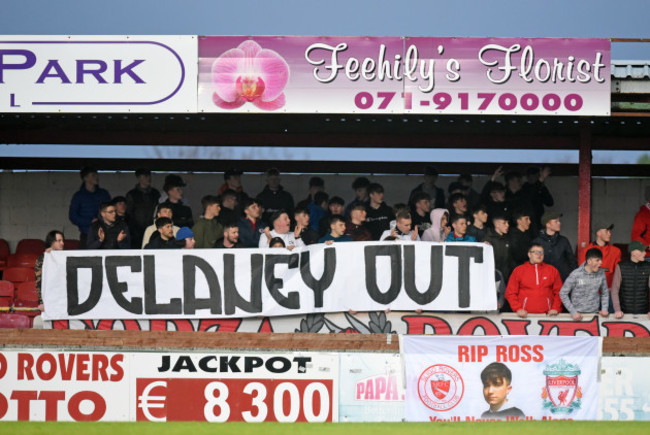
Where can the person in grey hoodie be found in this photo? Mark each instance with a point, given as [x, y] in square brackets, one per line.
[585, 290]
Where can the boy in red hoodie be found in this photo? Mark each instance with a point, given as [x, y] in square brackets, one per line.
[534, 287]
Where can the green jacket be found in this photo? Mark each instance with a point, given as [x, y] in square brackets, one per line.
[207, 232]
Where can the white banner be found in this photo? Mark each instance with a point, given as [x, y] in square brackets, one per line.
[372, 387]
[501, 378]
[40, 385]
[625, 389]
[98, 74]
[242, 283]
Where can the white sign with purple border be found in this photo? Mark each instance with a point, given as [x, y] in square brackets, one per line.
[140, 74]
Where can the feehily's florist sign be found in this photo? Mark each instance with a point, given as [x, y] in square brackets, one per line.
[513, 76]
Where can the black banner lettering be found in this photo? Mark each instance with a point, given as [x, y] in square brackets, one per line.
[371, 254]
[435, 269]
[318, 285]
[274, 284]
[72, 265]
[150, 305]
[118, 288]
[464, 253]
[192, 303]
[232, 298]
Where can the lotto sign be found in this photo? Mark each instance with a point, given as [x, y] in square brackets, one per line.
[501, 378]
[226, 387]
[64, 386]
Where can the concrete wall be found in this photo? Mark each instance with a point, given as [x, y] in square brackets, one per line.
[34, 203]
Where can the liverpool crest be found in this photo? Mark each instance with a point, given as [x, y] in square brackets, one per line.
[562, 394]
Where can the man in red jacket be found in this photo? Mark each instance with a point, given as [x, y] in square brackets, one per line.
[534, 287]
[611, 254]
[641, 226]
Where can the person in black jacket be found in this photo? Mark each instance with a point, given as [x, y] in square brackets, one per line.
[274, 197]
[108, 232]
[557, 248]
[164, 237]
[174, 189]
[141, 203]
[520, 236]
[498, 238]
[631, 283]
[538, 193]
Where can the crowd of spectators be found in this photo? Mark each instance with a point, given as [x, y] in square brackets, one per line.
[538, 265]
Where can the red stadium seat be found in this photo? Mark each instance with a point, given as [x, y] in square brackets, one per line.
[22, 260]
[71, 244]
[15, 320]
[26, 291]
[26, 299]
[30, 246]
[4, 253]
[19, 274]
[6, 293]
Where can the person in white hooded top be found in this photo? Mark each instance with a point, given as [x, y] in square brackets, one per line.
[439, 228]
[281, 228]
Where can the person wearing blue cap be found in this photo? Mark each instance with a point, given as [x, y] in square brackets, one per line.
[185, 237]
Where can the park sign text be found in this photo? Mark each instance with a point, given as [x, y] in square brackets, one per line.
[80, 74]
[303, 74]
[221, 284]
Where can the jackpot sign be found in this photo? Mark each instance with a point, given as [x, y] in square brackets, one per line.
[218, 387]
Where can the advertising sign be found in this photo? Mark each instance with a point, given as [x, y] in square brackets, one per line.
[625, 389]
[336, 74]
[236, 387]
[501, 378]
[218, 387]
[210, 283]
[64, 386]
[372, 387]
[98, 74]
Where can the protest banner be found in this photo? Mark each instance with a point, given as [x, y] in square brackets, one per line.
[205, 283]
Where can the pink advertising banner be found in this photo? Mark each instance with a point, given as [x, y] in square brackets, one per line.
[496, 76]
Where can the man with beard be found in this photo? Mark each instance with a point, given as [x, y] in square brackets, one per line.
[230, 238]
[165, 239]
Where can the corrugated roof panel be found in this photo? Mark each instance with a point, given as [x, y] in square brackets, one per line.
[631, 69]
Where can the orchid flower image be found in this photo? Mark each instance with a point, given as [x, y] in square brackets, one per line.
[252, 74]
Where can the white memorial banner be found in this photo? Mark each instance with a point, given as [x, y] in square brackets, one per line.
[501, 378]
[211, 283]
